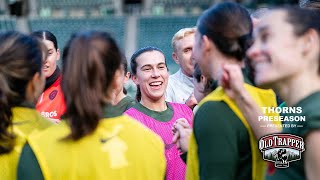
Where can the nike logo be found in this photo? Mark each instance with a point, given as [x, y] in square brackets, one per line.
[104, 140]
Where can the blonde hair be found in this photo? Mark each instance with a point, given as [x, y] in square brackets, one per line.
[181, 34]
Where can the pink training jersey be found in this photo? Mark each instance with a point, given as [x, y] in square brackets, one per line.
[176, 168]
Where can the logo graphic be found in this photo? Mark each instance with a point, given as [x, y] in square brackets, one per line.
[53, 94]
[104, 140]
[281, 149]
[291, 117]
[49, 114]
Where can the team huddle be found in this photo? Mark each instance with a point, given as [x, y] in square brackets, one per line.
[209, 120]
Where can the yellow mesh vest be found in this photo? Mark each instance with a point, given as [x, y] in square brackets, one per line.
[25, 121]
[264, 98]
[119, 148]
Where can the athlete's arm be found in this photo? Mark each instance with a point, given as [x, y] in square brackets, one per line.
[233, 84]
[251, 111]
[191, 102]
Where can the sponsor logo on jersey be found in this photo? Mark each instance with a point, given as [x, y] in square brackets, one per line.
[49, 114]
[53, 94]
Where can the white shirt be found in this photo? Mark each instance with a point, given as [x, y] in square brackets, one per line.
[180, 87]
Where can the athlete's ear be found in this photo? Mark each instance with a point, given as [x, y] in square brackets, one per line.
[127, 76]
[135, 79]
[206, 43]
[175, 57]
[116, 84]
[58, 54]
[35, 87]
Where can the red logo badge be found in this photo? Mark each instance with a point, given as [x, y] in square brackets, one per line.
[53, 94]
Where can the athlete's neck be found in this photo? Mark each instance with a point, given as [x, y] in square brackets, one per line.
[295, 89]
[154, 105]
[118, 98]
[50, 80]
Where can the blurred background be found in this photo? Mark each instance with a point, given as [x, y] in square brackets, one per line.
[133, 23]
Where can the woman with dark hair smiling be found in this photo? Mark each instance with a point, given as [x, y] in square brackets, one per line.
[150, 74]
[286, 57]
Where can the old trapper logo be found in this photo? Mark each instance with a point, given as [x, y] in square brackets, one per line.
[281, 148]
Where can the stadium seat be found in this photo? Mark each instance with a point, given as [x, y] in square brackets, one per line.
[171, 6]
[158, 31]
[47, 7]
[65, 27]
[7, 24]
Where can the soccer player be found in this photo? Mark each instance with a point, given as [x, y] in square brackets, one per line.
[21, 82]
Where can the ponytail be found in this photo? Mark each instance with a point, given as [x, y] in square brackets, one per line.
[20, 59]
[6, 135]
[90, 61]
[138, 94]
[220, 23]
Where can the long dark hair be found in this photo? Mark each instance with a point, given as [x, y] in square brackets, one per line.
[21, 57]
[134, 65]
[90, 61]
[124, 63]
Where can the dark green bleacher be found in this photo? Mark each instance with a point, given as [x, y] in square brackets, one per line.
[64, 28]
[158, 31]
[72, 3]
[7, 24]
[169, 6]
[45, 7]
